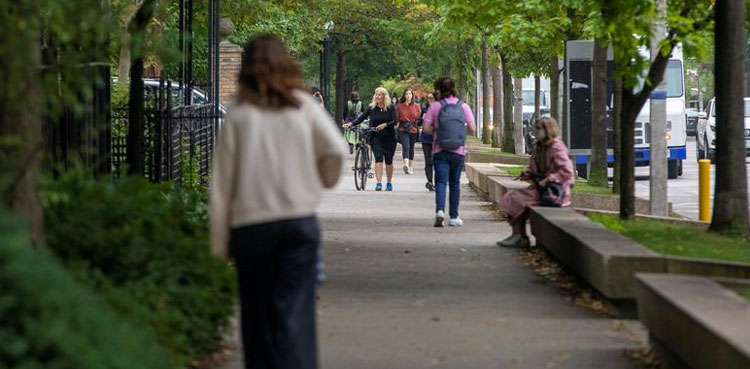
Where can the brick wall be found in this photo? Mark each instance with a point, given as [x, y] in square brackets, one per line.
[230, 59]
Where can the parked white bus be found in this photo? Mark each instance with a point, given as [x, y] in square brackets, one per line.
[578, 134]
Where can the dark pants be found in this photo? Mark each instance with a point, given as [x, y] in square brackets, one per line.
[408, 141]
[448, 167]
[383, 147]
[276, 270]
[428, 167]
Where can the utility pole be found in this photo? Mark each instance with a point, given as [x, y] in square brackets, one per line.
[658, 145]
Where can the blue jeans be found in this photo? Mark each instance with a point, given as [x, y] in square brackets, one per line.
[448, 167]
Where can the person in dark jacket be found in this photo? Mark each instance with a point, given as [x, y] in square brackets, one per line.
[353, 107]
[427, 139]
[383, 118]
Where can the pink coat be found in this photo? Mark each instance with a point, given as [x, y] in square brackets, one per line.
[560, 170]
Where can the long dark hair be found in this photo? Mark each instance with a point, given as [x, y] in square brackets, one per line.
[403, 97]
[269, 75]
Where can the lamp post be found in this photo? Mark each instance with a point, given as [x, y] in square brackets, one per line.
[325, 82]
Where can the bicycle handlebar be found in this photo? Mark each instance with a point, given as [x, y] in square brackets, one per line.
[361, 130]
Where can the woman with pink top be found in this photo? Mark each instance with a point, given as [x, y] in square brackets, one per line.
[448, 162]
[549, 168]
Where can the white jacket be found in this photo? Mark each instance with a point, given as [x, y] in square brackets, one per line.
[271, 165]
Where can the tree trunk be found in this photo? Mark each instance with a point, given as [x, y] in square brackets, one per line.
[554, 82]
[20, 117]
[617, 133]
[497, 106]
[135, 156]
[631, 106]
[518, 139]
[486, 127]
[508, 145]
[730, 213]
[565, 98]
[123, 66]
[627, 156]
[463, 89]
[537, 95]
[598, 161]
[340, 87]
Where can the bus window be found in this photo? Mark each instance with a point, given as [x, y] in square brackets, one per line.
[674, 79]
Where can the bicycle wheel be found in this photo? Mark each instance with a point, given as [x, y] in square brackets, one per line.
[364, 167]
[358, 162]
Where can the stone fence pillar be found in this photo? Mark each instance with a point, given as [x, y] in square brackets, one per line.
[230, 60]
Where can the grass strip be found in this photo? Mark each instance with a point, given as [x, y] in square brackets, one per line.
[495, 151]
[671, 239]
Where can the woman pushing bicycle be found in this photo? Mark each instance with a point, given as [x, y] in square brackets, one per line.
[382, 116]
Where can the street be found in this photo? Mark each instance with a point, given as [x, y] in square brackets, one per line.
[683, 191]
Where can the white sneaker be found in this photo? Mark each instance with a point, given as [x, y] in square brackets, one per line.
[406, 169]
[439, 219]
[411, 170]
[455, 222]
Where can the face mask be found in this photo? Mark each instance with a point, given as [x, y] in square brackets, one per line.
[541, 135]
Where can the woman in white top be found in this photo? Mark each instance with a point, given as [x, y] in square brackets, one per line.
[277, 151]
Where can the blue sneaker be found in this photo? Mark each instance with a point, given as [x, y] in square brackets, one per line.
[389, 186]
[379, 187]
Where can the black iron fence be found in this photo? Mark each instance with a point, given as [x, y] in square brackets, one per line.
[179, 139]
[78, 134]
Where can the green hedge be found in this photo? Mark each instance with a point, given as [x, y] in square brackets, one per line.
[48, 320]
[145, 246]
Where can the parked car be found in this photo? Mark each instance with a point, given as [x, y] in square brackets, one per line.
[152, 86]
[691, 117]
[706, 143]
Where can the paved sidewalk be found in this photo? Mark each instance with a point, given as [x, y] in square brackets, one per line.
[402, 294]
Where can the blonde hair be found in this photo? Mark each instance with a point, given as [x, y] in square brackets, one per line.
[550, 127]
[386, 97]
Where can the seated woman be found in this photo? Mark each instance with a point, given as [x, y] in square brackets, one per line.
[549, 164]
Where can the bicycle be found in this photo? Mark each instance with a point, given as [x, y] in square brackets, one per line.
[362, 157]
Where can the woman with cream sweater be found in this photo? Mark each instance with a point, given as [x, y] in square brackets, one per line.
[276, 152]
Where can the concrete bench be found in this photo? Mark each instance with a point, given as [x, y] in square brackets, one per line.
[478, 175]
[483, 157]
[498, 186]
[695, 322]
[604, 259]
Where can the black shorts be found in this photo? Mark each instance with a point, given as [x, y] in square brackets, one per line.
[383, 147]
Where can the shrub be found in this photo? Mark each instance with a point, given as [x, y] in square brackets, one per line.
[49, 320]
[145, 246]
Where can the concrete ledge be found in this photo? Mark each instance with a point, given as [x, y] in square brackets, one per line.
[482, 157]
[695, 322]
[675, 221]
[608, 261]
[498, 186]
[479, 174]
[712, 268]
[604, 259]
[608, 203]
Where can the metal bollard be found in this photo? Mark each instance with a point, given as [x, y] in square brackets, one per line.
[704, 190]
